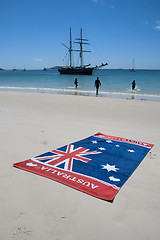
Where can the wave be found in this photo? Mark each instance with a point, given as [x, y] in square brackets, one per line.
[72, 91]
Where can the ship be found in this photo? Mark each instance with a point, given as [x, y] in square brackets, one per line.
[82, 69]
[133, 68]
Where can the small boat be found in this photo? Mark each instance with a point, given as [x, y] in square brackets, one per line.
[82, 69]
[133, 69]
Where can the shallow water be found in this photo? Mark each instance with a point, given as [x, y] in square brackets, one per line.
[115, 83]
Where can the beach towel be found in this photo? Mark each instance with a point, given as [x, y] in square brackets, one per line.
[98, 165]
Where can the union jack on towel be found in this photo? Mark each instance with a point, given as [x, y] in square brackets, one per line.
[98, 165]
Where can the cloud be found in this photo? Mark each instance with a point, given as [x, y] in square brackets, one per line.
[98, 1]
[112, 7]
[157, 27]
[38, 59]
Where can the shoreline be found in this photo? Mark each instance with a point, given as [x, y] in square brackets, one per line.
[120, 95]
[34, 123]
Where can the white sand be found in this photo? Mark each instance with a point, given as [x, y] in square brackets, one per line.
[34, 208]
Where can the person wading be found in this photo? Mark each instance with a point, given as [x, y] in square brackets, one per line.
[76, 82]
[97, 84]
[133, 84]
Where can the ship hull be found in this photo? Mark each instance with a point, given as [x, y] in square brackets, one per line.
[132, 70]
[75, 71]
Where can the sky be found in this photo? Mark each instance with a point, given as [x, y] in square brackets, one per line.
[118, 30]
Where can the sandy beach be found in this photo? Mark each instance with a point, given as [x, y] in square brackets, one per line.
[33, 207]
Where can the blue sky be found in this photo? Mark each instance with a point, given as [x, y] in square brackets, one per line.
[119, 30]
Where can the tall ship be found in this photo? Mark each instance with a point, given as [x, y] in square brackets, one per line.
[82, 69]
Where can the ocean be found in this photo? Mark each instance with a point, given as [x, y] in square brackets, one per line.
[114, 83]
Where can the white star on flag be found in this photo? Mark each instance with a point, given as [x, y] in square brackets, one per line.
[117, 145]
[130, 150]
[94, 141]
[109, 141]
[110, 167]
[100, 148]
[114, 179]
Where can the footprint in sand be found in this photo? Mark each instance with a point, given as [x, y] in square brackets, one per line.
[21, 233]
[152, 155]
[44, 142]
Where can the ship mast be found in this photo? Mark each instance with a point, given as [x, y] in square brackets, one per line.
[81, 42]
[70, 49]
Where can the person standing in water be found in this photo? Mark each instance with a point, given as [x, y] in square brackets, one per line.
[76, 82]
[97, 84]
[133, 84]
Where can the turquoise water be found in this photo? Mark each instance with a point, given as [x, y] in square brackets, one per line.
[115, 83]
